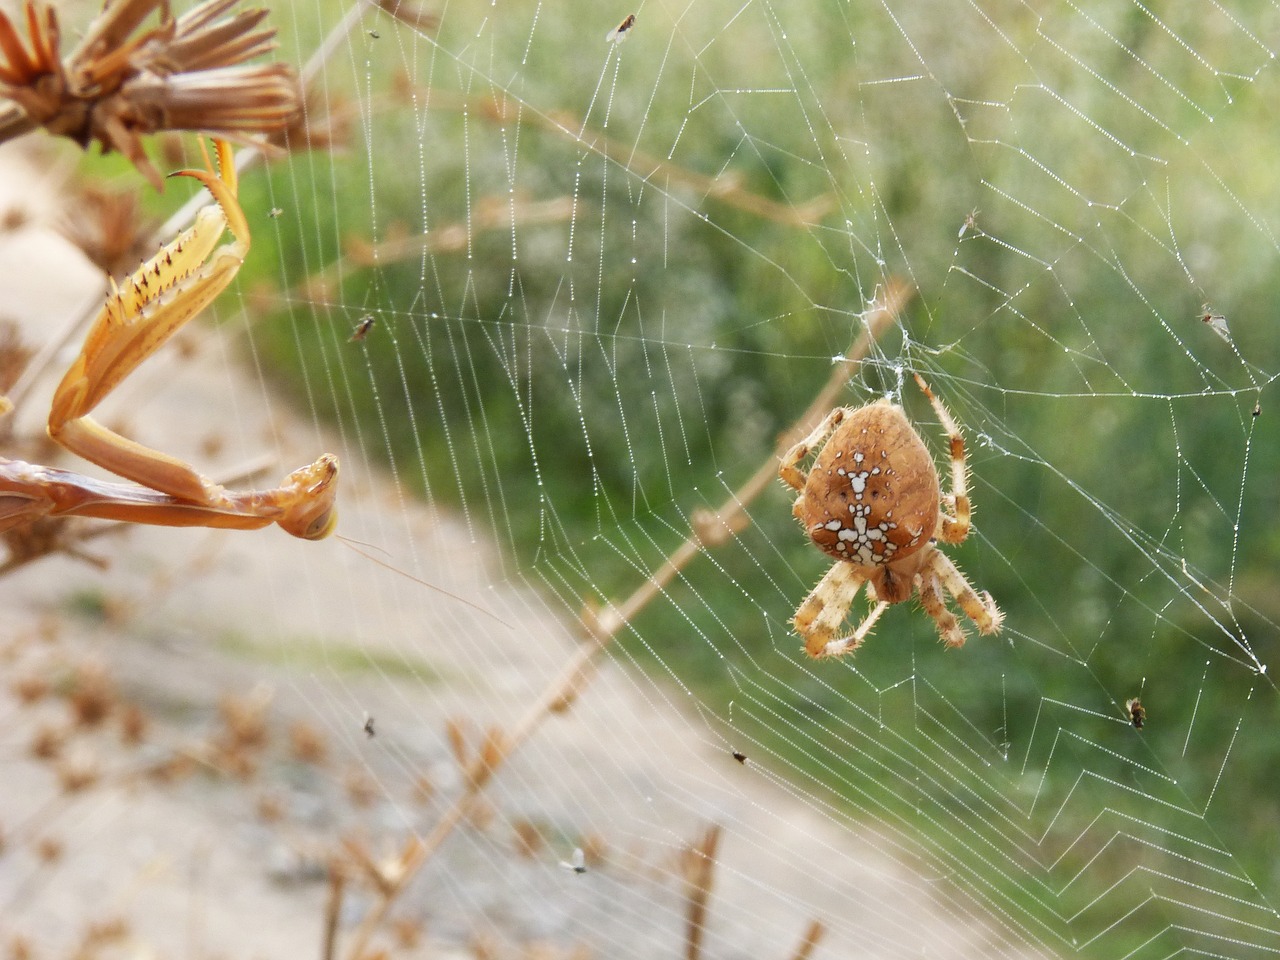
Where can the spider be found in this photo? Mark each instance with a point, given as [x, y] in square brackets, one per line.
[165, 292]
[872, 501]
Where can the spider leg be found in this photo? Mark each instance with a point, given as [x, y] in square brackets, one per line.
[939, 572]
[931, 599]
[952, 529]
[787, 469]
[823, 612]
[843, 645]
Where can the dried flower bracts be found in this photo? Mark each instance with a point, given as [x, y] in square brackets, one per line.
[119, 84]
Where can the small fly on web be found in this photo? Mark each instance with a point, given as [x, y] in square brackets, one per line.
[1137, 713]
[362, 328]
[619, 33]
[368, 726]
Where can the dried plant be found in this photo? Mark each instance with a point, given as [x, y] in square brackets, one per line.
[697, 867]
[109, 227]
[809, 942]
[14, 354]
[119, 84]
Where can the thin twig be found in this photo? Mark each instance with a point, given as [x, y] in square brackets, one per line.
[602, 624]
[815, 933]
[698, 865]
[332, 910]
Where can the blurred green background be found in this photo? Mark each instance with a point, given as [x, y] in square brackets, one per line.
[741, 184]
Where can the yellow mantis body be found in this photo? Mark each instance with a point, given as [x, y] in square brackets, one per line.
[139, 316]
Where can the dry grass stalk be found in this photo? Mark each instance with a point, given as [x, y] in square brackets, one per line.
[489, 213]
[697, 866]
[529, 841]
[120, 84]
[602, 623]
[333, 909]
[726, 188]
[14, 354]
[807, 945]
[411, 15]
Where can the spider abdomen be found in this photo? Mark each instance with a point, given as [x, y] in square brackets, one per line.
[872, 495]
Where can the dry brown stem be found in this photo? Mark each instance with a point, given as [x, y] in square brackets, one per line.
[333, 910]
[815, 933]
[724, 188]
[698, 866]
[601, 624]
[489, 213]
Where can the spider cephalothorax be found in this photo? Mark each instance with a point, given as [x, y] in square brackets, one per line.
[872, 502]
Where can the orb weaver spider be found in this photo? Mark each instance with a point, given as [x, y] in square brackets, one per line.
[139, 316]
[873, 502]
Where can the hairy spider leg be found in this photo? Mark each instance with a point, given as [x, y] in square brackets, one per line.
[952, 529]
[818, 620]
[941, 573]
[787, 470]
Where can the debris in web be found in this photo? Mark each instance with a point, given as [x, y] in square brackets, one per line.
[622, 30]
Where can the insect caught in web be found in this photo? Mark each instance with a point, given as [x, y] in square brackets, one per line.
[1137, 713]
[577, 862]
[619, 33]
[139, 316]
[1215, 321]
[362, 328]
[872, 501]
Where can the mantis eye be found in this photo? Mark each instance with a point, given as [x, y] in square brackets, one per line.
[321, 526]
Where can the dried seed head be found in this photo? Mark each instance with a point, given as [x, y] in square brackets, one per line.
[133, 725]
[49, 849]
[92, 694]
[119, 84]
[109, 227]
[30, 688]
[528, 839]
[245, 719]
[362, 789]
[48, 742]
[307, 744]
[78, 772]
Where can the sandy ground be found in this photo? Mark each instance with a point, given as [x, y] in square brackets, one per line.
[224, 866]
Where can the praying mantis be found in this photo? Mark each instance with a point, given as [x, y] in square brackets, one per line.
[138, 318]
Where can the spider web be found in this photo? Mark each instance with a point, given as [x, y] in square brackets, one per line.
[606, 274]
[627, 267]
